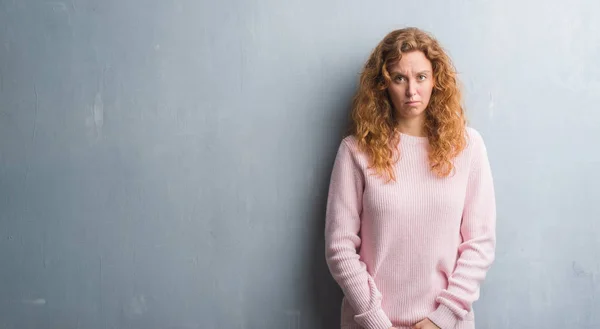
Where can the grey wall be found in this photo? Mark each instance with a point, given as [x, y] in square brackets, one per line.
[164, 164]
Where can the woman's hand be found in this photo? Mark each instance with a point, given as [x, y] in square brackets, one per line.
[426, 324]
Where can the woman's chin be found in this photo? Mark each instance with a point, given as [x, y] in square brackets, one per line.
[412, 112]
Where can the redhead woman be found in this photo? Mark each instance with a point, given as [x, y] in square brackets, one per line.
[411, 212]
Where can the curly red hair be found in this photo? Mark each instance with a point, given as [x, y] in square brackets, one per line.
[373, 117]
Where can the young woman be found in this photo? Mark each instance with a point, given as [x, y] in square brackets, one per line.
[411, 213]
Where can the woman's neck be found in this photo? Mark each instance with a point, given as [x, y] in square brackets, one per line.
[412, 127]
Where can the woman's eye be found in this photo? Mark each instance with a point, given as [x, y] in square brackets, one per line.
[399, 78]
[422, 77]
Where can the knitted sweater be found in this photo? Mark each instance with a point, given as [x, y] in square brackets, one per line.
[416, 248]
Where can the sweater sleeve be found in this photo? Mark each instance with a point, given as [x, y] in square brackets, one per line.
[477, 251]
[342, 240]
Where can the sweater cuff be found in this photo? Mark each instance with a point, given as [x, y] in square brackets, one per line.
[443, 317]
[373, 319]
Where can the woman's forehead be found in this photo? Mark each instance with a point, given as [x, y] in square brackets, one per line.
[412, 62]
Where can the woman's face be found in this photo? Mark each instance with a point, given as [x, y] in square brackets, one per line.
[411, 85]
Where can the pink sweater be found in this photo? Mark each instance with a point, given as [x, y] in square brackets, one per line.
[415, 248]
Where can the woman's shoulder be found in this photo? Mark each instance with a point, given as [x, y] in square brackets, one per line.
[350, 144]
[474, 138]
[350, 141]
[476, 148]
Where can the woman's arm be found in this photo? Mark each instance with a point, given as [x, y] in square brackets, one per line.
[476, 253]
[344, 206]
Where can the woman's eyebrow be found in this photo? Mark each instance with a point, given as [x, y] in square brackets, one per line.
[404, 75]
